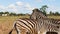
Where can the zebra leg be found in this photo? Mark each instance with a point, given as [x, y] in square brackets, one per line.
[17, 30]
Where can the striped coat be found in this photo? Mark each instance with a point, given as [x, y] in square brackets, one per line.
[25, 26]
[48, 24]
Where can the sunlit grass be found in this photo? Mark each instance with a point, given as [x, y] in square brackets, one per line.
[6, 22]
[55, 17]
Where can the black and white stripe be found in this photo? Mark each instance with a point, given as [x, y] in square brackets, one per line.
[26, 24]
[37, 14]
[31, 25]
[52, 24]
[43, 21]
[35, 23]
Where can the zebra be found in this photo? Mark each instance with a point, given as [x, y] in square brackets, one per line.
[27, 26]
[49, 24]
[38, 16]
[35, 24]
[37, 13]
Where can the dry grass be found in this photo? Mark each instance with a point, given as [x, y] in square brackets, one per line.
[55, 17]
[6, 23]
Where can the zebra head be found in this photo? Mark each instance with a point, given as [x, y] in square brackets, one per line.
[37, 14]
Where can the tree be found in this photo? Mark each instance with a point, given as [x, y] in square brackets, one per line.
[57, 13]
[51, 13]
[43, 9]
[1, 12]
[6, 12]
[12, 14]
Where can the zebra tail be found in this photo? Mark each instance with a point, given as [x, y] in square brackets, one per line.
[10, 31]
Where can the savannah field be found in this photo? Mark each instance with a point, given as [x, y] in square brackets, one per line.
[6, 22]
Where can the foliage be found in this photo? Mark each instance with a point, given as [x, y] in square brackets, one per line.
[57, 13]
[6, 12]
[43, 9]
[1, 12]
[52, 13]
[13, 14]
